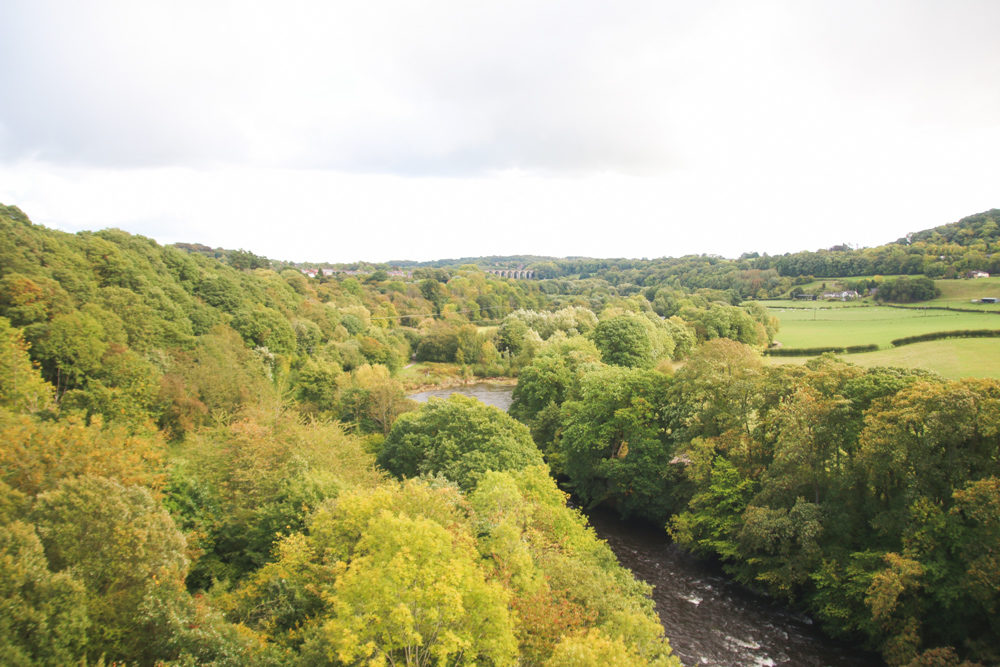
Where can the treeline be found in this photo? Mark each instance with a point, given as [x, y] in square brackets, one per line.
[948, 251]
[907, 290]
[142, 334]
[193, 471]
[869, 498]
[269, 540]
[196, 446]
[816, 351]
[127, 329]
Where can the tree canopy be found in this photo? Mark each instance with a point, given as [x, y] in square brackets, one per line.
[459, 438]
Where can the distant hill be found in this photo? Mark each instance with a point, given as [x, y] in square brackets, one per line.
[982, 227]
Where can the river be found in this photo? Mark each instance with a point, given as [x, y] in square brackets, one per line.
[710, 620]
[499, 395]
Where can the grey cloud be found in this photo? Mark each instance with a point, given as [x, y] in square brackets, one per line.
[467, 88]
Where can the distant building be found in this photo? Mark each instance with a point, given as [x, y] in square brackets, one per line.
[805, 297]
[846, 295]
[988, 299]
[310, 272]
[977, 274]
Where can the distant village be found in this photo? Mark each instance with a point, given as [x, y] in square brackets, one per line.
[850, 295]
[315, 273]
[517, 274]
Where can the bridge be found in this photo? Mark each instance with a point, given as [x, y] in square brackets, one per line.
[517, 274]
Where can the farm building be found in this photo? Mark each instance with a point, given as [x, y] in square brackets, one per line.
[843, 296]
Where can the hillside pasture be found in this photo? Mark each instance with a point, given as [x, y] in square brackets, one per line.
[842, 327]
[954, 358]
[961, 293]
[819, 304]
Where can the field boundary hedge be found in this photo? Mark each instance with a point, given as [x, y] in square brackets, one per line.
[951, 308]
[938, 335]
[816, 351]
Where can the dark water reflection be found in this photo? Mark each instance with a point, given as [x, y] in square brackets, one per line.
[709, 619]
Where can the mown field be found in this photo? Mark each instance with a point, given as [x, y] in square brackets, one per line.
[953, 358]
[822, 326]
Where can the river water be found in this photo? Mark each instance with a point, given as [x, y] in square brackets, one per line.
[709, 619]
[499, 395]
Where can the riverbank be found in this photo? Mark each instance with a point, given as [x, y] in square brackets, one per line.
[712, 620]
[495, 394]
[426, 376]
[709, 619]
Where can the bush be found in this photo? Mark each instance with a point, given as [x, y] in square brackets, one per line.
[907, 290]
[938, 335]
[803, 351]
[459, 438]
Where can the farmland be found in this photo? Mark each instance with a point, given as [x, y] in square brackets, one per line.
[865, 325]
[953, 358]
[962, 293]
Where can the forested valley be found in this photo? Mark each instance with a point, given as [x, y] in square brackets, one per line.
[208, 457]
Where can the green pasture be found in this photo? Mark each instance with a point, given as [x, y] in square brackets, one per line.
[836, 284]
[824, 326]
[819, 304]
[952, 358]
[961, 293]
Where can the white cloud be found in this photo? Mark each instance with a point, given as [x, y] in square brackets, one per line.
[400, 129]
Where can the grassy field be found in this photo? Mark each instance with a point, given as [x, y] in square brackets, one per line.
[835, 284]
[824, 326]
[802, 305]
[953, 358]
[960, 293]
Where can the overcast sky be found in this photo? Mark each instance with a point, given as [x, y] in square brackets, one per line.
[377, 130]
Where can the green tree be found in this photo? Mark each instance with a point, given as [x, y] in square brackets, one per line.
[25, 300]
[614, 444]
[595, 649]
[545, 384]
[565, 581]
[239, 486]
[459, 438]
[370, 397]
[22, 388]
[624, 341]
[711, 524]
[412, 595]
[246, 260]
[265, 327]
[123, 548]
[435, 292]
[781, 548]
[44, 619]
[927, 441]
[720, 392]
[70, 348]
